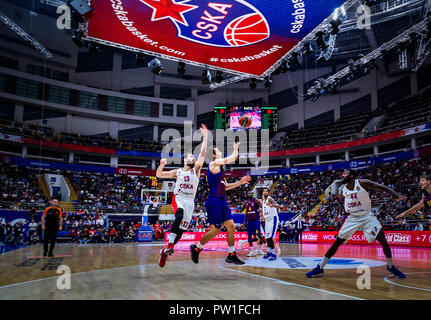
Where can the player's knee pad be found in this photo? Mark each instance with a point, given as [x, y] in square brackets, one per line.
[179, 215]
[270, 243]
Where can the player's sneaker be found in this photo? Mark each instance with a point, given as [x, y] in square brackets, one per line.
[252, 253]
[272, 257]
[315, 272]
[241, 243]
[232, 258]
[194, 251]
[163, 257]
[45, 253]
[396, 272]
[169, 250]
[266, 256]
[260, 252]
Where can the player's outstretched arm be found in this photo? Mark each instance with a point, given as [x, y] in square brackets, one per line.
[229, 159]
[201, 159]
[412, 210]
[244, 180]
[165, 174]
[367, 184]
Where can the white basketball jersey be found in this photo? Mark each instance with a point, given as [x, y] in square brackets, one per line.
[187, 183]
[357, 202]
[268, 212]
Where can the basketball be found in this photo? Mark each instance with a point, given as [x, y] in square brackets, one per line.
[245, 121]
[247, 29]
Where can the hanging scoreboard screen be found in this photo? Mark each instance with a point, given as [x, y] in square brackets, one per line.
[245, 118]
[240, 36]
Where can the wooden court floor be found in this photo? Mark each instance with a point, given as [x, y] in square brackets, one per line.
[131, 271]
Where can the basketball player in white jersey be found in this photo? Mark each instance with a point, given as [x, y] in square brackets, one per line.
[183, 202]
[357, 203]
[270, 214]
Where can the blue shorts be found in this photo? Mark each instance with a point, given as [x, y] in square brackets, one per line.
[218, 211]
[253, 228]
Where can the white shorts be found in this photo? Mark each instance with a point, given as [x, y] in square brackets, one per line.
[368, 223]
[188, 206]
[271, 226]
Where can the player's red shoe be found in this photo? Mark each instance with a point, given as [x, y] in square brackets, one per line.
[164, 253]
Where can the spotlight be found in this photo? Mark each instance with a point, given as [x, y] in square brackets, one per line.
[140, 59]
[155, 66]
[294, 60]
[335, 24]
[284, 66]
[219, 76]
[308, 49]
[206, 77]
[252, 83]
[93, 49]
[320, 40]
[277, 71]
[267, 82]
[82, 8]
[181, 69]
[77, 38]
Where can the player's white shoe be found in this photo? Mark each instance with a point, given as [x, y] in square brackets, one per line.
[259, 251]
[252, 253]
[241, 243]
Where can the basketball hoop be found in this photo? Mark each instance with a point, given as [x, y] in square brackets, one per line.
[155, 203]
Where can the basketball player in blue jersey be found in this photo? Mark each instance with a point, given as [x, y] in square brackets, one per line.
[252, 220]
[357, 204]
[425, 203]
[217, 208]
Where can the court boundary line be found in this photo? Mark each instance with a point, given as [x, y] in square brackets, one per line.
[406, 286]
[296, 284]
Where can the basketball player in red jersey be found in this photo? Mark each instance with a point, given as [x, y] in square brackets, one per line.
[357, 203]
[425, 184]
[183, 201]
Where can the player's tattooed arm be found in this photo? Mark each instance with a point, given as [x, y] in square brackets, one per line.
[273, 204]
[165, 174]
[412, 210]
[244, 180]
[200, 162]
[367, 184]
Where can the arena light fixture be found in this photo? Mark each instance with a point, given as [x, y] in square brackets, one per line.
[140, 59]
[93, 49]
[308, 49]
[267, 82]
[219, 76]
[206, 77]
[155, 66]
[77, 38]
[181, 69]
[320, 35]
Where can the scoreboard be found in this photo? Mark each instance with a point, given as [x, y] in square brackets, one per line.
[226, 117]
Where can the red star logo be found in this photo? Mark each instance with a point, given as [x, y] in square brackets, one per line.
[170, 9]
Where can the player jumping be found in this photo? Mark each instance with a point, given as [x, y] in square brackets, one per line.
[357, 203]
[270, 214]
[425, 184]
[183, 202]
[217, 208]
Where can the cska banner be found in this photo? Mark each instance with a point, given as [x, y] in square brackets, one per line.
[244, 37]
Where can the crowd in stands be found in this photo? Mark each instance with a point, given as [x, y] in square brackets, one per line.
[19, 188]
[404, 114]
[49, 134]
